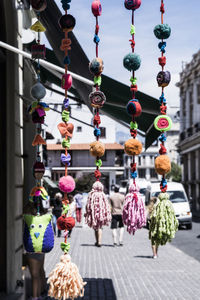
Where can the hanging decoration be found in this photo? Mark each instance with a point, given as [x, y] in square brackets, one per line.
[97, 208]
[65, 281]
[38, 231]
[163, 222]
[133, 211]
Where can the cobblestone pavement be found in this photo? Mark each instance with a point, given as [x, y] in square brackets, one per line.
[129, 272]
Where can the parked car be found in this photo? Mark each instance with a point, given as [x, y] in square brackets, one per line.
[178, 198]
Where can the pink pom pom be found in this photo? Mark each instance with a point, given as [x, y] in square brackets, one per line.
[66, 184]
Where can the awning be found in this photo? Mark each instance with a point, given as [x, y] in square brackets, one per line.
[117, 94]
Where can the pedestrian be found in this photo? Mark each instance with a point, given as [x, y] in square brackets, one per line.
[116, 202]
[149, 209]
[57, 211]
[78, 198]
[35, 261]
[71, 211]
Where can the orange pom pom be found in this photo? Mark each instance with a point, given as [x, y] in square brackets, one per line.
[97, 149]
[133, 147]
[162, 164]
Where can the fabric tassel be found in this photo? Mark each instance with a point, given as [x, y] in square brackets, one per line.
[97, 209]
[134, 211]
[38, 140]
[65, 282]
[163, 222]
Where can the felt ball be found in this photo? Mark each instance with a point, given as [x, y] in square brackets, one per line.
[132, 4]
[36, 118]
[96, 8]
[162, 31]
[65, 223]
[39, 5]
[66, 81]
[133, 147]
[67, 22]
[38, 91]
[66, 184]
[163, 78]
[96, 66]
[97, 149]
[162, 164]
[132, 61]
[97, 99]
[134, 108]
[163, 123]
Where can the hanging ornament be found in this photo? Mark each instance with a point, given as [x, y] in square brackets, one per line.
[65, 281]
[163, 222]
[133, 210]
[97, 208]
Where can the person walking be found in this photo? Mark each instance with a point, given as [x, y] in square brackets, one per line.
[57, 211]
[149, 209]
[71, 211]
[116, 202]
[78, 199]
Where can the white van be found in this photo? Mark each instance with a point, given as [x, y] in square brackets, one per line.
[178, 198]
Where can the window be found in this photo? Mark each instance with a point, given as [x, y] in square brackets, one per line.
[103, 132]
[153, 173]
[198, 93]
[142, 173]
[78, 129]
[139, 160]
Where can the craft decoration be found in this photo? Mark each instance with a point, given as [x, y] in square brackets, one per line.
[38, 233]
[163, 222]
[133, 211]
[65, 281]
[97, 208]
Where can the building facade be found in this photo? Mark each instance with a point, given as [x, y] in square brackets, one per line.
[189, 142]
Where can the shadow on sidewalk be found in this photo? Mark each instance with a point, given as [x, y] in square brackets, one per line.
[97, 289]
[143, 256]
[93, 245]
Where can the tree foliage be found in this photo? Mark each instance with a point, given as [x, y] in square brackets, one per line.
[175, 173]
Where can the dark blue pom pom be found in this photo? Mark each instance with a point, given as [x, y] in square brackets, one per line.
[97, 131]
[134, 174]
[132, 61]
[162, 46]
[66, 60]
[162, 31]
[96, 39]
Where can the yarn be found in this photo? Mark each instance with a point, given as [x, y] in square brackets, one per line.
[97, 99]
[67, 22]
[133, 211]
[163, 123]
[65, 223]
[38, 5]
[66, 184]
[96, 66]
[163, 78]
[162, 31]
[38, 91]
[134, 108]
[163, 222]
[65, 281]
[162, 164]
[97, 149]
[97, 209]
[132, 61]
[132, 4]
[133, 147]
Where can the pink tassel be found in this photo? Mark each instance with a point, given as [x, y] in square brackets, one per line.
[97, 209]
[133, 210]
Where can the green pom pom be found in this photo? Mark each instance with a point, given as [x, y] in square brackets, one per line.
[99, 163]
[97, 80]
[132, 29]
[162, 31]
[132, 61]
[66, 143]
[133, 80]
[65, 247]
[133, 125]
[65, 116]
[163, 123]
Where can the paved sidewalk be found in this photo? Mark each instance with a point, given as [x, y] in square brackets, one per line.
[129, 272]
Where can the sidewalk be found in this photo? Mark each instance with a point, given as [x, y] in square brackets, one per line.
[129, 272]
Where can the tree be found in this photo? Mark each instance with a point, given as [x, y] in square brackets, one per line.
[175, 173]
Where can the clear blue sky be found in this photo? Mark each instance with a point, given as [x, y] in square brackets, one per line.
[181, 15]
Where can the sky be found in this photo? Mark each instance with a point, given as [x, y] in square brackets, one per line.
[181, 15]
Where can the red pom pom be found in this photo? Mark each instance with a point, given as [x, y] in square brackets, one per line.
[65, 223]
[96, 120]
[97, 174]
[133, 88]
[162, 61]
[162, 150]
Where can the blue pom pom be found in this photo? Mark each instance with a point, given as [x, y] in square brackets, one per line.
[96, 39]
[132, 61]
[162, 99]
[162, 138]
[38, 91]
[134, 174]
[162, 31]
[66, 60]
[65, 4]
[97, 131]
[162, 46]
[164, 182]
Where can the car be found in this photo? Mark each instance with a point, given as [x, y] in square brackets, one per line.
[178, 198]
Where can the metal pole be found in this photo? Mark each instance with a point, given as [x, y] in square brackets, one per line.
[46, 64]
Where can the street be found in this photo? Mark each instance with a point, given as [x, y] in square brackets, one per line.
[129, 272]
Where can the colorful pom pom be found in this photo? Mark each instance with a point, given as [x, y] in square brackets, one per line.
[66, 143]
[132, 61]
[162, 164]
[65, 223]
[134, 108]
[162, 31]
[97, 131]
[66, 82]
[132, 4]
[97, 149]
[96, 66]
[67, 22]
[66, 60]
[96, 39]
[38, 91]
[97, 99]
[96, 8]
[163, 78]
[133, 147]
[163, 123]
[66, 184]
